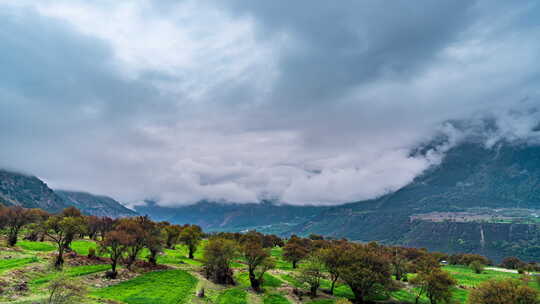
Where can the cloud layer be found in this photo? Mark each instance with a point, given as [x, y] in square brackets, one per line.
[307, 103]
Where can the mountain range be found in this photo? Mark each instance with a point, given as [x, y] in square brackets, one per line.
[30, 192]
[478, 199]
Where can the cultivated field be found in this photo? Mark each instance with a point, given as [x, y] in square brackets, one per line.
[26, 271]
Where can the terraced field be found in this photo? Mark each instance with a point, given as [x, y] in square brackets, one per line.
[180, 279]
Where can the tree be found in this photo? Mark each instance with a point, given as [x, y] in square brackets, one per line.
[14, 218]
[258, 260]
[218, 255]
[72, 212]
[364, 269]
[153, 241]
[398, 262]
[172, 235]
[93, 222]
[135, 228]
[115, 244]
[61, 230]
[191, 236]
[312, 271]
[435, 284]
[503, 292]
[477, 267]
[35, 233]
[512, 263]
[334, 258]
[295, 250]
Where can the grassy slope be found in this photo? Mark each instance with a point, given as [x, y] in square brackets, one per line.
[179, 285]
[8, 264]
[159, 287]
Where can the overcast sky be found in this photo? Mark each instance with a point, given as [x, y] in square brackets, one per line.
[308, 102]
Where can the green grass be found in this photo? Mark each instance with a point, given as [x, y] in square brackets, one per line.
[70, 272]
[158, 287]
[275, 299]
[82, 246]
[36, 246]
[233, 296]
[14, 263]
[465, 276]
[242, 278]
[277, 253]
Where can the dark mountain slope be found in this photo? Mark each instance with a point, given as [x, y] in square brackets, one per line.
[28, 191]
[213, 216]
[506, 176]
[31, 192]
[95, 204]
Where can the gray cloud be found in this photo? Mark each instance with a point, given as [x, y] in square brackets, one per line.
[237, 100]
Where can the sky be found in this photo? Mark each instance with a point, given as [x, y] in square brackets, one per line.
[303, 102]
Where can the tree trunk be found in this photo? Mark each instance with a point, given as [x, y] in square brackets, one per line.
[255, 283]
[333, 285]
[313, 291]
[294, 264]
[191, 250]
[12, 240]
[60, 258]
[152, 257]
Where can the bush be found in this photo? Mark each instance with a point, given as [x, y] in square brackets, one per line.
[477, 267]
[63, 290]
[503, 292]
[92, 253]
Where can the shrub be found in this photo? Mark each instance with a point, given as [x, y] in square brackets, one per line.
[92, 253]
[503, 292]
[65, 291]
[477, 267]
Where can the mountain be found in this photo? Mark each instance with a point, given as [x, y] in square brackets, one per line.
[465, 204]
[28, 191]
[95, 204]
[266, 216]
[31, 192]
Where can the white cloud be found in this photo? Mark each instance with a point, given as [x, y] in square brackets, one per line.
[188, 101]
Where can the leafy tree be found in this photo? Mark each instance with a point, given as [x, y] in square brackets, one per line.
[512, 263]
[258, 259]
[172, 235]
[399, 262]
[14, 218]
[106, 224]
[93, 222]
[477, 267]
[72, 212]
[191, 236]
[364, 269]
[115, 244]
[334, 257]
[312, 271]
[503, 292]
[61, 230]
[154, 241]
[218, 255]
[132, 227]
[35, 233]
[435, 284]
[295, 250]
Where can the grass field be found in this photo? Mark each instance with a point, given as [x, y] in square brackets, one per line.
[8, 264]
[233, 296]
[70, 272]
[178, 284]
[36, 246]
[159, 287]
[275, 299]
